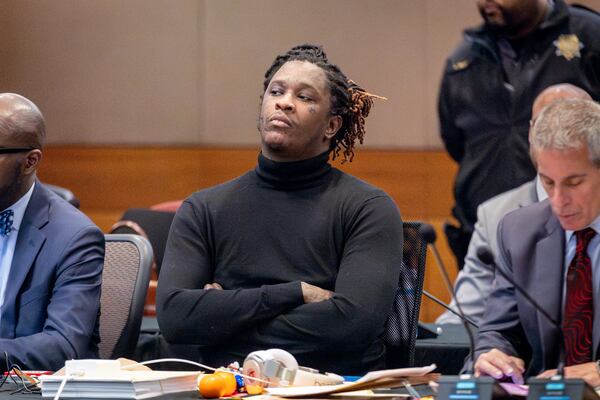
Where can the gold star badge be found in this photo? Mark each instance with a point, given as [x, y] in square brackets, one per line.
[457, 66]
[568, 46]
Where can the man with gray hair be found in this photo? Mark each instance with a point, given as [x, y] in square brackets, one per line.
[51, 255]
[552, 250]
[474, 282]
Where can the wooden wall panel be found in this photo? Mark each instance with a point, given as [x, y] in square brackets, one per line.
[124, 177]
[109, 180]
[120, 178]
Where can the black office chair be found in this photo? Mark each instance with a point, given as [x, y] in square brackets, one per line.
[125, 278]
[401, 325]
[153, 225]
[64, 193]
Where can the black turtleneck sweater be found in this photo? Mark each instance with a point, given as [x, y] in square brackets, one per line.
[259, 236]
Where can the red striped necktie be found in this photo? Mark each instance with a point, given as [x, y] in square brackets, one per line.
[579, 304]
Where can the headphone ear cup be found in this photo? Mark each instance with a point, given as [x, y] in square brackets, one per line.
[254, 365]
[284, 357]
[261, 355]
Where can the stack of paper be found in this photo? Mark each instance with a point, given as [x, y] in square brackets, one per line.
[122, 385]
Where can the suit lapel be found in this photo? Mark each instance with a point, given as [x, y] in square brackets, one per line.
[29, 243]
[531, 195]
[548, 282]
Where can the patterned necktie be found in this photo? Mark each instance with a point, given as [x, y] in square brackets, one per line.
[579, 305]
[6, 222]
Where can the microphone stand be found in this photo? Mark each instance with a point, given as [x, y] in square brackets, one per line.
[557, 387]
[466, 386]
[447, 307]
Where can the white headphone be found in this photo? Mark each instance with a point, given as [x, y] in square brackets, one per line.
[280, 368]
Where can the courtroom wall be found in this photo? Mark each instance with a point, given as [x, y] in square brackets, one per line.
[190, 71]
[108, 71]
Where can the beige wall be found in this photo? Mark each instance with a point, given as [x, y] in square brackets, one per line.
[108, 71]
[190, 71]
[383, 45]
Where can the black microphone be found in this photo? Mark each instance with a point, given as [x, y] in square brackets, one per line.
[428, 234]
[486, 256]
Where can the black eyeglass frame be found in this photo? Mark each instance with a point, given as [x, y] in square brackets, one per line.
[13, 150]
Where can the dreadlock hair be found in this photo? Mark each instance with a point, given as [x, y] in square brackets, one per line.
[348, 100]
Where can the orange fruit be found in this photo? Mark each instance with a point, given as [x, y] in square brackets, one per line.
[230, 382]
[254, 389]
[212, 386]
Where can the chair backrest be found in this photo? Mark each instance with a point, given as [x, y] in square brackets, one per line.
[171, 206]
[401, 326]
[127, 264]
[155, 226]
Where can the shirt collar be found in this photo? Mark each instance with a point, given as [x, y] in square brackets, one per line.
[595, 225]
[19, 208]
[294, 174]
[539, 189]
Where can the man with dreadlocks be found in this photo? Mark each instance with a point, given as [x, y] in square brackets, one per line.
[295, 254]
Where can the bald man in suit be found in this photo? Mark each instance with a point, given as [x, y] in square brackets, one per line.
[51, 255]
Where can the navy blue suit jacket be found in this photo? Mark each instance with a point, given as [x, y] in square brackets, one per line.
[52, 299]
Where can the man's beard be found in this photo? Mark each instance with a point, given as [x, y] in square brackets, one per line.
[510, 26]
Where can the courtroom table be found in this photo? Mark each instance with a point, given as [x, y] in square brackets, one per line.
[7, 388]
[448, 350]
[382, 394]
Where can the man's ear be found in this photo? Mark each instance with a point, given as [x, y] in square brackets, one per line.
[32, 161]
[334, 125]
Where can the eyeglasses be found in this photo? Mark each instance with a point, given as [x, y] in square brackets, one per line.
[9, 150]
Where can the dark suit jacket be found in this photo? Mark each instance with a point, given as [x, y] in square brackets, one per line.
[52, 299]
[531, 250]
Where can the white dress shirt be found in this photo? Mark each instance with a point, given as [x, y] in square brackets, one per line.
[539, 189]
